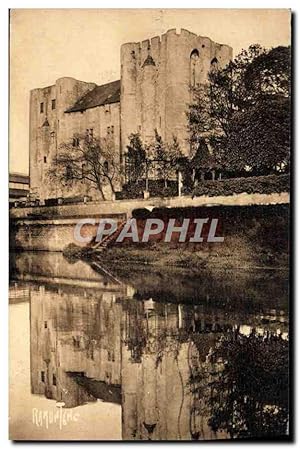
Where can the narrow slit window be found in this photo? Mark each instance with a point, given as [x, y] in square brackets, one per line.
[41, 108]
[53, 104]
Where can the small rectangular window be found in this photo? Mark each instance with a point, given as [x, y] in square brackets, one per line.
[45, 324]
[41, 108]
[53, 104]
[43, 376]
[45, 160]
[54, 379]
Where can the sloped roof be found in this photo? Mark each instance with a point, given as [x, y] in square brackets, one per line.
[19, 178]
[100, 95]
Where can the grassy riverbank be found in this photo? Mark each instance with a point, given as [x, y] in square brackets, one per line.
[254, 238]
[193, 260]
[235, 254]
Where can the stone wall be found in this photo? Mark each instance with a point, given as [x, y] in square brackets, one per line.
[52, 228]
[155, 79]
[50, 127]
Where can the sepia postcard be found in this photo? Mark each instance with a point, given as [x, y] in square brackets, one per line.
[149, 181]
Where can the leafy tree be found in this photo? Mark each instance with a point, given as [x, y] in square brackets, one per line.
[86, 159]
[165, 158]
[157, 159]
[260, 138]
[135, 159]
[249, 396]
[244, 111]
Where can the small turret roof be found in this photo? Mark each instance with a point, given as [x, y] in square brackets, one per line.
[149, 61]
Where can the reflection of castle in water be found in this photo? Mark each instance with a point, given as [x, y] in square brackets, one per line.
[99, 342]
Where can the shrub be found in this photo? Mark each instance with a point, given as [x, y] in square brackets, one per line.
[256, 184]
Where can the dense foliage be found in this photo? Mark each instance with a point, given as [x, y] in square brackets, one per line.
[254, 184]
[250, 392]
[243, 113]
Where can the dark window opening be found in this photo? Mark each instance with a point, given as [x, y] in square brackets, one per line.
[68, 172]
[45, 324]
[195, 54]
[41, 108]
[54, 379]
[89, 134]
[43, 376]
[214, 64]
[53, 104]
[45, 160]
[194, 62]
[75, 141]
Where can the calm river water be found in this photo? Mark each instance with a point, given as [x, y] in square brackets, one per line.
[137, 354]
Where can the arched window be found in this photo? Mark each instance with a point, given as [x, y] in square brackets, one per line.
[195, 54]
[194, 61]
[214, 64]
[106, 166]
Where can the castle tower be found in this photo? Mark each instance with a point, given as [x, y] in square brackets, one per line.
[156, 76]
[49, 127]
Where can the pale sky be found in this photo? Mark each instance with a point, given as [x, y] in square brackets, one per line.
[85, 44]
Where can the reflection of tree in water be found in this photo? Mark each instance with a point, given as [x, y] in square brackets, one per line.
[146, 334]
[244, 386]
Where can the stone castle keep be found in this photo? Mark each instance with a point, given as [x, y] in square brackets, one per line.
[153, 93]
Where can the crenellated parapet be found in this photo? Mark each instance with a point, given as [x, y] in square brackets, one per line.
[154, 93]
[156, 75]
